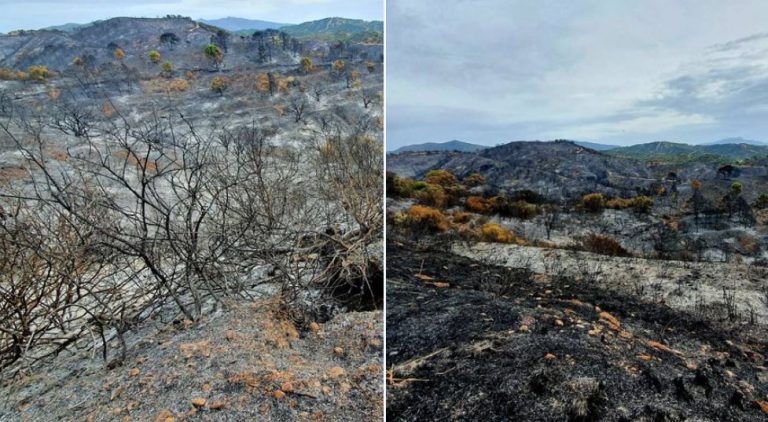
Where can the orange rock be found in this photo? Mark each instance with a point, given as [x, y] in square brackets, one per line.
[164, 416]
[645, 357]
[134, 372]
[335, 372]
[287, 387]
[199, 402]
[278, 394]
[550, 356]
[345, 387]
[314, 327]
[338, 350]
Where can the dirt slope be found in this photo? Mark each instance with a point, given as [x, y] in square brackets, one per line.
[246, 363]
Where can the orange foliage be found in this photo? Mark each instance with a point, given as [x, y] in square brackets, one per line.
[492, 232]
[428, 217]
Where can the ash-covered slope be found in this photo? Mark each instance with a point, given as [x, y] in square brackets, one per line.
[179, 40]
[559, 165]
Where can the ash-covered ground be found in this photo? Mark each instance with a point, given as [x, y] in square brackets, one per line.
[471, 340]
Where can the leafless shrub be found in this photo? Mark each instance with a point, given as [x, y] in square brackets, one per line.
[161, 212]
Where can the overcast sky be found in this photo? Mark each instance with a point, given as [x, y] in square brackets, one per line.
[34, 14]
[619, 72]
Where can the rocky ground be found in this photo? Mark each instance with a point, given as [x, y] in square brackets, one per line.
[468, 339]
[245, 363]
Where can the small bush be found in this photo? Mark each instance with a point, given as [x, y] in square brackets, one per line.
[474, 179]
[167, 69]
[604, 245]
[492, 232]
[618, 203]
[428, 218]
[219, 85]
[154, 56]
[441, 177]
[518, 209]
[431, 195]
[306, 65]
[461, 217]
[477, 204]
[642, 204]
[593, 202]
[38, 73]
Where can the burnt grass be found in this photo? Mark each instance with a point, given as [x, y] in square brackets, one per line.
[469, 340]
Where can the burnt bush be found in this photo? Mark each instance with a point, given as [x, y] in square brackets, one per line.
[604, 245]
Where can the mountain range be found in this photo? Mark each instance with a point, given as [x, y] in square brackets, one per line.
[729, 149]
[332, 29]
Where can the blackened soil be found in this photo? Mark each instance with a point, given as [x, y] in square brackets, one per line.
[472, 341]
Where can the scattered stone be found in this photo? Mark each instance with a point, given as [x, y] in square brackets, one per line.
[287, 387]
[134, 372]
[165, 416]
[338, 350]
[314, 327]
[278, 394]
[336, 372]
[199, 402]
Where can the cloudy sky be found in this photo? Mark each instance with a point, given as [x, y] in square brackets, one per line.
[33, 14]
[619, 72]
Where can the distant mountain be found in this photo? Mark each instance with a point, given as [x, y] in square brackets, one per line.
[442, 146]
[595, 146]
[341, 29]
[737, 140]
[233, 24]
[678, 152]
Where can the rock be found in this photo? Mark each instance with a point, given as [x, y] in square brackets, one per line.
[559, 322]
[338, 350]
[550, 356]
[199, 402]
[134, 372]
[336, 372]
[278, 394]
[165, 416]
[314, 327]
[287, 387]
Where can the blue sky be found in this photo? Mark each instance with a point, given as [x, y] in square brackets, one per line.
[619, 72]
[34, 14]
